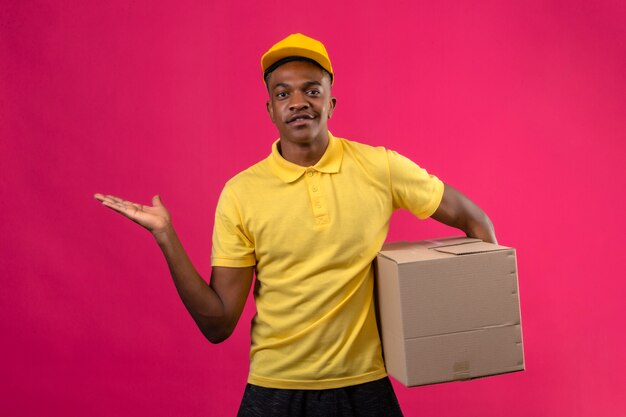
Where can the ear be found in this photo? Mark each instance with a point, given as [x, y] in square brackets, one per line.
[270, 110]
[333, 103]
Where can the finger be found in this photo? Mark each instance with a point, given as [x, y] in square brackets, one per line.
[126, 208]
[125, 203]
[114, 198]
[114, 206]
[156, 201]
[104, 199]
[109, 198]
[101, 197]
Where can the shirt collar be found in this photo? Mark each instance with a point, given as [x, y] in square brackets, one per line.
[289, 172]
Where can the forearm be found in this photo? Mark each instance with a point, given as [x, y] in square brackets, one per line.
[202, 301]
[456, 210]
[215, 308]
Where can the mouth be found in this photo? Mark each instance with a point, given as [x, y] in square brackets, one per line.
[300, 118]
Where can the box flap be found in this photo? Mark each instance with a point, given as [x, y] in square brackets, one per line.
[470, 247]
[450, 241]
[409, 255]
[402, 252]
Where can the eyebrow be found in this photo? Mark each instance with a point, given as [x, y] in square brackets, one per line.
[285, 85]
[306, 84]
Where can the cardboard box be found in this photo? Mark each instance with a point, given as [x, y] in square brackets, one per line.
[448, 310]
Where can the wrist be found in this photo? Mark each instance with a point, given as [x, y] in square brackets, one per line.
[165, 234]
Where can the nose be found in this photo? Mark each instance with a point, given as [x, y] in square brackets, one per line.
[298, 101]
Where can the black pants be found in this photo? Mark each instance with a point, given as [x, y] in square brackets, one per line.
[372, 399]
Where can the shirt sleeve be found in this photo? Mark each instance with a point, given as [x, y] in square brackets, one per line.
[232, 244]
[412, 187]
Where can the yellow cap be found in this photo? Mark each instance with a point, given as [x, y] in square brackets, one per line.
[298, 45]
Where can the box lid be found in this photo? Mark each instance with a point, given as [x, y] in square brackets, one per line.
[405, 252]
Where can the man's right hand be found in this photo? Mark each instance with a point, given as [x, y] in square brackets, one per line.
[154, 218]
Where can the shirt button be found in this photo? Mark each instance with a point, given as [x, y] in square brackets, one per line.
[314, 189]
[309, 173]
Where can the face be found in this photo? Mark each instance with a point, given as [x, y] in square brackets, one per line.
[300, 102]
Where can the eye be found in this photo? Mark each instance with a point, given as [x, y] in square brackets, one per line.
[281, 94]
[313, 92]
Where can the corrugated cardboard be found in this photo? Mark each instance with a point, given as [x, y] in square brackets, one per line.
[448, 310]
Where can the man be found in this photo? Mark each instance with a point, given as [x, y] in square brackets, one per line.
[308, 220]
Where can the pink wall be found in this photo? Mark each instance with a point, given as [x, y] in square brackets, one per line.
[522, 106]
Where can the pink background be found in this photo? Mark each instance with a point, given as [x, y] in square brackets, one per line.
[519, 104]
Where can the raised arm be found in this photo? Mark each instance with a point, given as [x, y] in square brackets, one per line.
[215, 307]
[458, 211]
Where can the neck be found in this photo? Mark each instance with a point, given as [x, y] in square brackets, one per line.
[303, 154]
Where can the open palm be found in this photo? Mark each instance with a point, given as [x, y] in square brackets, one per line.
[155, 218]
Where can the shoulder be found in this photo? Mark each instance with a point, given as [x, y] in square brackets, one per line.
[362, 151]
[250, 176]
[245, 183]
[359, 146]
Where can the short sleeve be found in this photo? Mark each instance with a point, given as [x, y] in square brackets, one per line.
[232, 245]
[412, 187]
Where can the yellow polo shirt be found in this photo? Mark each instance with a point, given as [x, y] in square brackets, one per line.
[312, 233]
